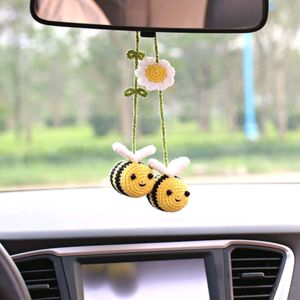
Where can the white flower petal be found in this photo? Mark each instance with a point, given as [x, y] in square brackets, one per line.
[143, 80]
[162, 86]
[148, 60]
[142, 83]
[164, 63]
[138, 73]
[152, 86]
[169, 80]
[172, 71]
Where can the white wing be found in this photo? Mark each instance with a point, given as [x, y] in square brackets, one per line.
[123, 151]
[144, 152]
[138, 156]
[158, 166]
[174, 167]
[177, 165]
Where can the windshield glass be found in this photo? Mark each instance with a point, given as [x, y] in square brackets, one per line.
[234, 108]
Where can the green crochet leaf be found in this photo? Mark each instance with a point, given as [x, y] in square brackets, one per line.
[132, 54]
[132, 91]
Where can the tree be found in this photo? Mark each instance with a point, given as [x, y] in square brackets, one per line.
[275, 44]
[15, 24]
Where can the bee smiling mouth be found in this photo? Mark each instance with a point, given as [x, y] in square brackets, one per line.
[142, 184]
[177, 200]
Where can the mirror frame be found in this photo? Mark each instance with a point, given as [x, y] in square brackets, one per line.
[149, 32]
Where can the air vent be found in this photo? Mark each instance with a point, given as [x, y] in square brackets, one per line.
[40, 278]
[254, 273]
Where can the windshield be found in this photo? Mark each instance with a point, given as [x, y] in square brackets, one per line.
[234, 109]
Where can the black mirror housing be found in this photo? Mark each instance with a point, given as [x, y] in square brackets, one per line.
[149, 16]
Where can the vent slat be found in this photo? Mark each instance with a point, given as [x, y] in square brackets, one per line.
[29, 281]
[266, 277]
[254, 268]
[38, 286]
[40, 277]
[254, 287]
[48, 298]
[256, 297]
[254, 273]
[36, 271]
[266, 259]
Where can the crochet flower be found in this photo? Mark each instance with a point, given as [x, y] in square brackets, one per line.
[155, 76]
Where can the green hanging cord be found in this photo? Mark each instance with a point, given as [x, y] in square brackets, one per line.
[135, 95]
[161, 110]
[156, 48]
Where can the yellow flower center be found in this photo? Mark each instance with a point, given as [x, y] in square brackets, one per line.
[156, 73]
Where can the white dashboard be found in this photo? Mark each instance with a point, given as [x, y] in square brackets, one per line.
[213, 209]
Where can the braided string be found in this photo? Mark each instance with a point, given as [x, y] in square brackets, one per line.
[135, 95]
[161, 110]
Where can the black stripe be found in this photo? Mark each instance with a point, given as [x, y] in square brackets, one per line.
[112, 173]
[154, 191]
[118, 177]
[149, 197]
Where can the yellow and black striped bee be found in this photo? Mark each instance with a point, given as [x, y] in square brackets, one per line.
[169, 192]
[132, 178]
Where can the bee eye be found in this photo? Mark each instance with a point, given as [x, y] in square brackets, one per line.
[150, 176]
[169, 192]
[133, 176]
[187, 193]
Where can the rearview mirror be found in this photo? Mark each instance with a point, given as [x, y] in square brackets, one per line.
[154, 15]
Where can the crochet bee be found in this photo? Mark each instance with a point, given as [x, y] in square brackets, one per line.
[132, 177]
[169, 193]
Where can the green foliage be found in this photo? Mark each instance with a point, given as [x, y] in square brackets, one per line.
[102, 124]
[2, 118]
[149, 125]
[75, 155]
[294, 121]
[2, 124]
[66, 121]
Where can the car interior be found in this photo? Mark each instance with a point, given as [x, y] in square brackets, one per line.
[224, 237]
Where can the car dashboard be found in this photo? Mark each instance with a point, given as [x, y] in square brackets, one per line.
[232, 241]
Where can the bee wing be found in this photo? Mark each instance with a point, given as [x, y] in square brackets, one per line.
[177, 165]
[144, 152]
[123, 151]
[158, 166]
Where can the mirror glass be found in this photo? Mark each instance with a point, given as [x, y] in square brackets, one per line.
[166, 15]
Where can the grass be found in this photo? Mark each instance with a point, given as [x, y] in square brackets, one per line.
[54, 174]
[74, 155]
